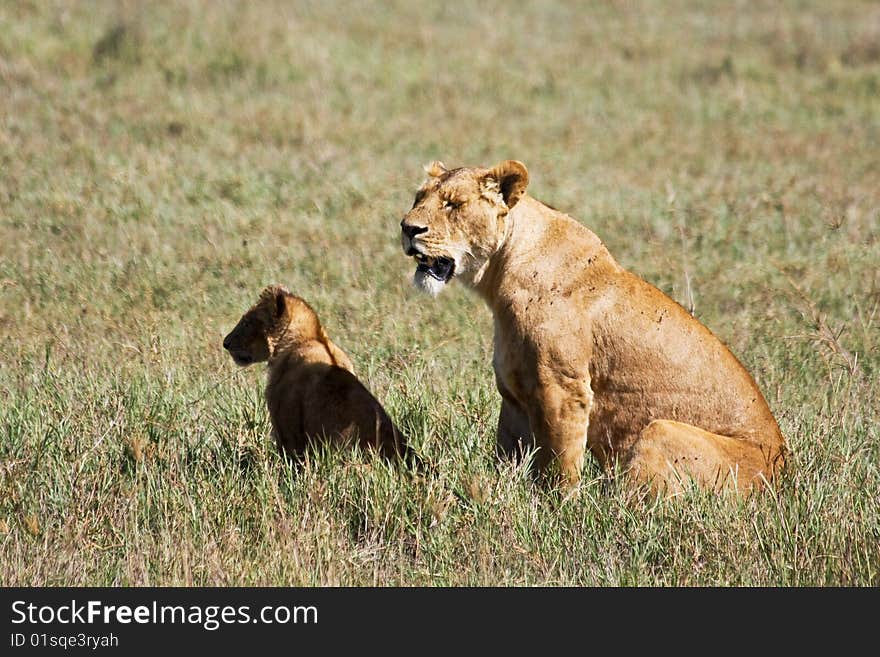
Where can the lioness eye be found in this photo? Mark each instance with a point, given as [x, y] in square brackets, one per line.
[419, 196]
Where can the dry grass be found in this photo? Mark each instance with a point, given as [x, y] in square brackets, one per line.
[161, 162]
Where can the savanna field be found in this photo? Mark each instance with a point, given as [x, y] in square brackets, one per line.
[161, 162]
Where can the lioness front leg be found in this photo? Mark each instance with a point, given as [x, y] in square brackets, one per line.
[559, 418]
[514, 437]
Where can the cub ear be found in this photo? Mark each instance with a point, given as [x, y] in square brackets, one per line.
[436, 169]
[513, 178]
[281, 294]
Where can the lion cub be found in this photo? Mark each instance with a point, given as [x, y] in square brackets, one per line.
[312, 392]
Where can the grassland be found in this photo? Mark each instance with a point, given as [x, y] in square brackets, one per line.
[160, 162]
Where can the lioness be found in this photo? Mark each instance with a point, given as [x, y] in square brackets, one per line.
[312, 391]
[587, 354]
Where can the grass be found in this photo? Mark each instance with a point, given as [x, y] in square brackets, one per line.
[161, 162]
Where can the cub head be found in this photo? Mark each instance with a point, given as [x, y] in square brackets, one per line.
[459, 219]
[277, 317]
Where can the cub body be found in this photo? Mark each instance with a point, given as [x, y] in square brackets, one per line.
[312, 391]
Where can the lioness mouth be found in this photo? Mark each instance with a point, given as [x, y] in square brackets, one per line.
[439, 268]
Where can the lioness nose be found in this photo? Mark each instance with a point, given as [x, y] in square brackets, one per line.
[411, 231]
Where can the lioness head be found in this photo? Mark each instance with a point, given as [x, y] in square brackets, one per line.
[278, 316]
[459, 219]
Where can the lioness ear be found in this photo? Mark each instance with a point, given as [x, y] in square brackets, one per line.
[436, 169]
[513, 178]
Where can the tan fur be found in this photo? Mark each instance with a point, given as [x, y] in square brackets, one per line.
[587, 354]
[312, 392]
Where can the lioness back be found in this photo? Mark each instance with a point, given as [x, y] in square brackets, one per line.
[648, 347]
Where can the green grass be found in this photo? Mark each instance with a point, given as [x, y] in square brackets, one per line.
[160, 162]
